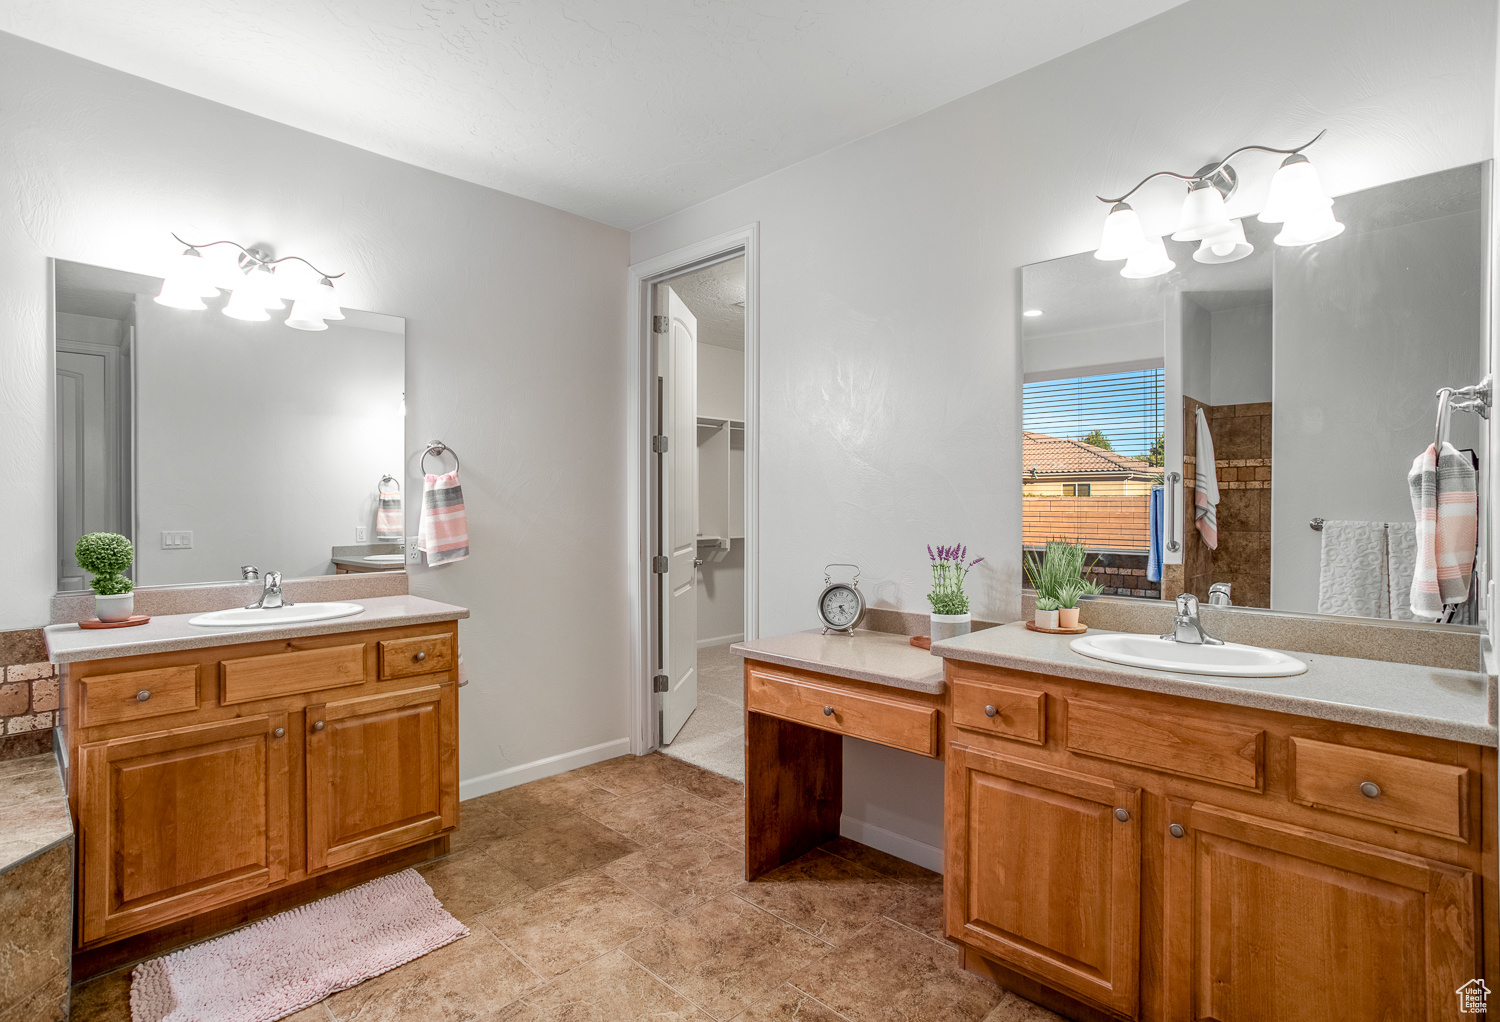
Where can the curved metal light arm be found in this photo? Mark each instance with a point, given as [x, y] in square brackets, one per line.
[1193, 178]
[256, 258]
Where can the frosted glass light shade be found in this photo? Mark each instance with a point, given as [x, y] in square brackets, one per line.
[1202, 213]
[261, 284]
[326, 301]
[244, 305]
[180, 294]
[1227, 246]
[1295, 192]
[1310, 228]
[1151, 261]
[305, 317]
[1122, 237]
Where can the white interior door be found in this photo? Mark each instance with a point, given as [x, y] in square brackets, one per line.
[87, 476]
[677, 360]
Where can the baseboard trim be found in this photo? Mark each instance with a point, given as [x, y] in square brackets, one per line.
[899, 845]
[539, 768]
[721, 640]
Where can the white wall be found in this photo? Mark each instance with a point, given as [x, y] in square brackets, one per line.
[1241, 368]
[721, 382]
[721, 584]
[514, 313]
[266, 442]
[889, 365]
[1115, 348]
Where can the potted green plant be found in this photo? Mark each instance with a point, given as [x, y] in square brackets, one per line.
[106, 556]
[1055, 573]
[950, 604]
[1067, 600]
[1046, 611]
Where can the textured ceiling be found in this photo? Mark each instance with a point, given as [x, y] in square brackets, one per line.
[619, 110]
[715, 295]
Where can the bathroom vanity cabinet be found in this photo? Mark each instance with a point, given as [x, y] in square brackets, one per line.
[215, 784]
[1162, 858]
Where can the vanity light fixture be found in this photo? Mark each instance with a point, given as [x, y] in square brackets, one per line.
[255, 286]
[1296, 199]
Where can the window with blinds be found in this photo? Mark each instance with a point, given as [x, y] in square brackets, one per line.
[1092, 448]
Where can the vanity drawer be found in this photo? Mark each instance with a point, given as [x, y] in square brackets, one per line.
[421, 654]
[284, 674]
[1209, 750]
[887, 721]
[1416, 794]
[111, 698]
[1015, 713]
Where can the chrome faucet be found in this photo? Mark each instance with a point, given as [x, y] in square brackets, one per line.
[1186, 627]
[271, 596]
[1218, 595]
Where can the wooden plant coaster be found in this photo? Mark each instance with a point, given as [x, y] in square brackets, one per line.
[129, 622]
[922, 641]
[1057, 631]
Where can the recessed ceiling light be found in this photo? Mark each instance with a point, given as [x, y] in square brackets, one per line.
[1032, 312]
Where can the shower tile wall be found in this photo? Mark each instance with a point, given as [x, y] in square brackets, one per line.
[1242, 456]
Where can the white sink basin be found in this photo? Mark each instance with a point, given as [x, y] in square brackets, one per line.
[384, 558]
[275, 617]
[1230, 660]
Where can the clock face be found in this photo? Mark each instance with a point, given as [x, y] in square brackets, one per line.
[840, 607]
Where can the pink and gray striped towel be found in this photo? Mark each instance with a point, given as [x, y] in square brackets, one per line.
[443, 533]
[1445, 501]
[390, 524]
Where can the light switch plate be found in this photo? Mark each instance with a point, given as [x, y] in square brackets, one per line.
[177, 539]
[361, 534]
[413, 555]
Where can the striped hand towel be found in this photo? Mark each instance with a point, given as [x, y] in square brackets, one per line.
[1206, 486]
[1445, 503]
[390, 522]
[443, 533]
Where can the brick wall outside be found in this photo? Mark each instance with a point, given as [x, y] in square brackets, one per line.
[29, 694]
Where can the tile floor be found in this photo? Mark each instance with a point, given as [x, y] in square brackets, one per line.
[615, 893]
[714, 736]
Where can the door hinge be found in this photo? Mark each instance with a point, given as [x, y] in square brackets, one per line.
[659, 564]
[658, 324]
[659, 444]
[659, 683]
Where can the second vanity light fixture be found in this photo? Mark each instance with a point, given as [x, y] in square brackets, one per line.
[256, 284]
[1296, 201]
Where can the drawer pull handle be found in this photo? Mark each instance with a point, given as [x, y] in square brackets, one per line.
[317, 725]
[279, 733]
[420, 657]
[990, 711]
[828, 711]
[1176, 830]
[142, 696]
[1122, 814]
[1370, 789]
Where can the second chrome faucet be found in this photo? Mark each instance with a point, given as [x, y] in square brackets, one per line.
[1186, 627]
[271, 596]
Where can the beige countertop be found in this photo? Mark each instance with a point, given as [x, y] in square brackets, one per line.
[67, 643]
[34, 812]
[877, 657]
[1398, 697]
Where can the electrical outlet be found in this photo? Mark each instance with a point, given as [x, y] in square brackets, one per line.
[413, 555]
[177, 539]
[361, 534]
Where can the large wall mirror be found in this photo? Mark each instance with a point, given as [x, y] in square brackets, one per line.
[1313, 373]
[214, 443]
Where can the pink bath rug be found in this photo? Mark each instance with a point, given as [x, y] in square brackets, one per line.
[280, 965]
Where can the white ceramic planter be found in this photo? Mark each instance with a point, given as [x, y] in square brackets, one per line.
[114, 608]
[1046, 619]
[946, 626]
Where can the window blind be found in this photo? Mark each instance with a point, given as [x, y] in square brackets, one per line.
[1122, 409]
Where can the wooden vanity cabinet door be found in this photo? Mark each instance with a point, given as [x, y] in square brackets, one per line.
[382, 773]
[177, 822]
[1267, 921]
[1044, 874]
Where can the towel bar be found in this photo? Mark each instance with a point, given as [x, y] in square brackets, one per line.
[1316, 525]
[438, 449]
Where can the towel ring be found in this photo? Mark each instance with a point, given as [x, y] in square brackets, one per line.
[438, 448]
[387, 478]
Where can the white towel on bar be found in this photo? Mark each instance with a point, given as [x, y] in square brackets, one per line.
[1353, 574]
[1401, 566]
[1206, 486]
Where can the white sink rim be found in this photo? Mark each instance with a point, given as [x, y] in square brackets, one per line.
[384, 558]
[276, 617]
[1235, 660]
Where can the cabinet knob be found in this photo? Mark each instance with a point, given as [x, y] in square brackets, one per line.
[990, 711]
[420, 657]
[828, 711]
[1176, 830]
[1123, 815]
[279, 733]
[1370, 789]
[142, 696]
[317, 725]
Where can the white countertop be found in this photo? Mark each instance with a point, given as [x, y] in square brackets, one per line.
[68, 643]
[877, 657]
[1373, 693]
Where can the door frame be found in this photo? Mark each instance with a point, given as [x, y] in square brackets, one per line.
[640, 489]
